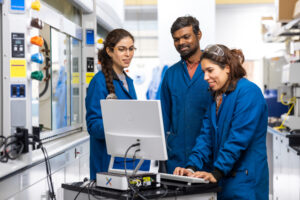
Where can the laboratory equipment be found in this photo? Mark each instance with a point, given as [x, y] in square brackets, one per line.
[289, 94]
[132, 129]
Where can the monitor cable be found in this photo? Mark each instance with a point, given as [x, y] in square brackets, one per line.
[135, 190]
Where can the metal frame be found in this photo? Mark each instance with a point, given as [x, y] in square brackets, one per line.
[54, 134]
[1, 67]
[17, 23]
[58, 21]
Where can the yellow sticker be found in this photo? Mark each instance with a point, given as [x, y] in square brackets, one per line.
[18, 68]
[75, 78]
[89, 77]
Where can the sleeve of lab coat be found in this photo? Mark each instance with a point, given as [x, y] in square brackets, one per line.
[166, 103]
[202, 152]
[96, 92]
[247, 114]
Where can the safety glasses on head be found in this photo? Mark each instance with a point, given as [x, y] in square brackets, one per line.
[214, 49]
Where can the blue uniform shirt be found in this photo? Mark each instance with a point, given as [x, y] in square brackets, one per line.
[99, 160]
[184, 102]
[235, 140]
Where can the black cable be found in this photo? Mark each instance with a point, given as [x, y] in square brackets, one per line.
[93, 194]
[89, 187]
[16, 146]
[49, 173]
[47, 164]
[127, 177]
[3, 157]
[47, 61]
[165, 193]
[81, 190]
[3, 141]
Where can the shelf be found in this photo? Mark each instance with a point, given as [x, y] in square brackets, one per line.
[282, 32]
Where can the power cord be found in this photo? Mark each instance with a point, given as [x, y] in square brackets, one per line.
[36, 139]
[12, 147]
[85, 186]
[135, 190]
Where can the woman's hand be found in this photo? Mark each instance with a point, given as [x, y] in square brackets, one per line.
[205, 175]
[182, 171]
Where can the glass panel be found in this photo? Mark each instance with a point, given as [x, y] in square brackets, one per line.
[44, 93]
[58, 102]
[60, 57]
[76, 80]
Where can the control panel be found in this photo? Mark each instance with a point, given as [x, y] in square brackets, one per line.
[17, 45]
[90, 64]
[17, 90]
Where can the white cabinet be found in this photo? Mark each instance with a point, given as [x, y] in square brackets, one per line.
[72, 165]
[286, 170]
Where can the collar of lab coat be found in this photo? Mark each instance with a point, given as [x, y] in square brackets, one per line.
[115, 76]
[231, 88]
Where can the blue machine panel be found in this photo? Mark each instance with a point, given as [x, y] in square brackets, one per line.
[17, 90]
[90, 37]
[17, 5]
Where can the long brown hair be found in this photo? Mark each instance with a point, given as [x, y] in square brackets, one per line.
[234, 58]
[106, 61]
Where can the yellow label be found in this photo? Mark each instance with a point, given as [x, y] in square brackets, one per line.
[89, 77]
[146, 179]
[18, 68]
[75, 78]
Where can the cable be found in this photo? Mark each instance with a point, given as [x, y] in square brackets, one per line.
[16, 147]
[291, 102]
[94, 195]
[13, 148]
[127, 177]
[3, 141]
[47, 78]
[47, 164]
[49, 174]
[81, 190]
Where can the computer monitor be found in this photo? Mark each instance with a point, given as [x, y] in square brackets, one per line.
[127, 122]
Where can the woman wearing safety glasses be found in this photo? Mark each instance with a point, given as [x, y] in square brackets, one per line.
[109, 83]
[233, 137]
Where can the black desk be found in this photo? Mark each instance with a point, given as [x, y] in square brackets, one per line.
[169, 190]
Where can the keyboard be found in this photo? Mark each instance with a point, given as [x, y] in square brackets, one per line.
[185, 179]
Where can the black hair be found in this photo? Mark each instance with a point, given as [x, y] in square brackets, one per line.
[185, 21]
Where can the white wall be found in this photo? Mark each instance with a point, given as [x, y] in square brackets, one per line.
[239, 26]
[169, 10]
[117, 6]
[110, 14]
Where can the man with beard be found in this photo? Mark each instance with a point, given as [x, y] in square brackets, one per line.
[184, 94]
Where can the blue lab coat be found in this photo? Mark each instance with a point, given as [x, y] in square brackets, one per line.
[235, 140]
[99, 160]
[61, 104]
[184, 102]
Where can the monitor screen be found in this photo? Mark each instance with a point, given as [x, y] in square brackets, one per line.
[127, 122]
